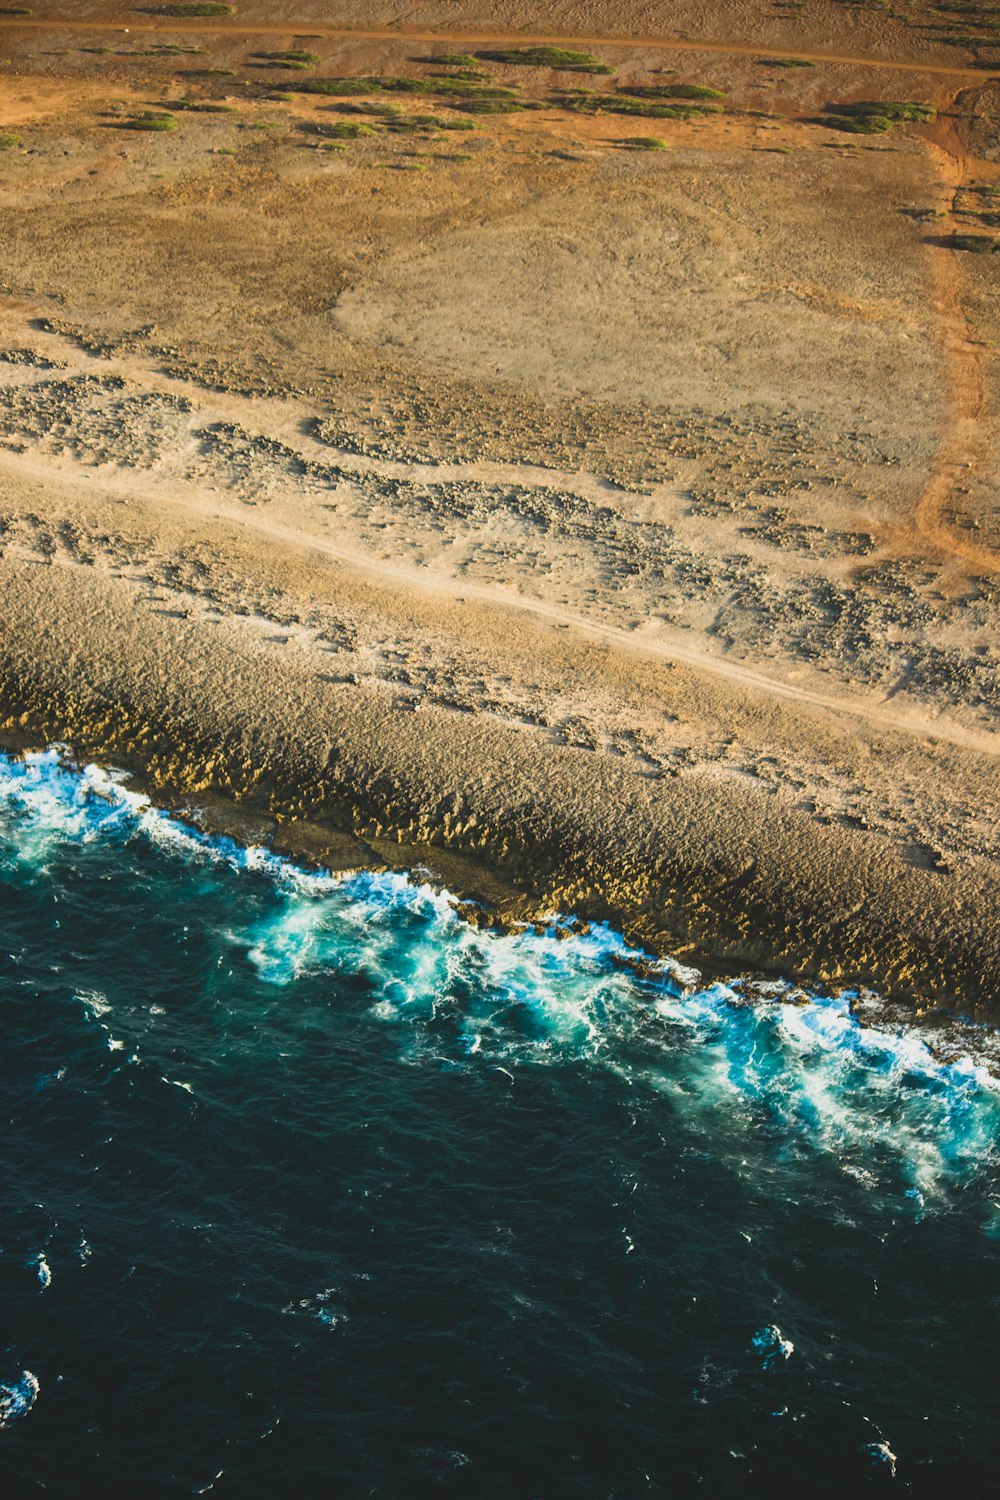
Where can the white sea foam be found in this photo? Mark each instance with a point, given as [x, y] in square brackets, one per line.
[17, 1400]
[42, 1270]
[881, 1456]
[875, 1099]
[771, 1347]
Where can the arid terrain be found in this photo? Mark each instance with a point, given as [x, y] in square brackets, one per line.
[578, 478]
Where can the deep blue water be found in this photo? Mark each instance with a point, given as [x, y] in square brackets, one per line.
[311, 1189]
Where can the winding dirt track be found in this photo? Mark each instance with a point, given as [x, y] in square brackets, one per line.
[174, 27]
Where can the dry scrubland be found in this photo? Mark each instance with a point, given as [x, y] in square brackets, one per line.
[593, 496]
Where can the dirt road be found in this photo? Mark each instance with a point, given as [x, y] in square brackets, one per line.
[456, 38]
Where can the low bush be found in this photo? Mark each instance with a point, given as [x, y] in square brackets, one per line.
[151, 122]
[628, 104]
[336, 88]
[643, 143]
[8, 140]
[786, 62]
[900, 109]
[15, 10]
[863, 124]
[384, 108]
[453, 60]
[347, 130]
[472, 98]
[548, 57]
[877, 116]
[975, 244]
[485, 105]
[286, 59]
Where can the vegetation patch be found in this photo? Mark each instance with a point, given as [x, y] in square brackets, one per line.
[286, 59]
[459, 93]
[336, 88]
[151, 122]
[547, 57]
[202, 106]
[643, 143]
[975, 244]
[8, 140]
[15, 10]
[414, 124]
[786, 62]
[878, 116]
[453, 60]
[630, 104]
[346, 130]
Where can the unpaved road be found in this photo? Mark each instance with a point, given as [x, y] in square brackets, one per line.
[175, 26]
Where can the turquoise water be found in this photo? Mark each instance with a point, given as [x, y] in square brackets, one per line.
[310, 1188]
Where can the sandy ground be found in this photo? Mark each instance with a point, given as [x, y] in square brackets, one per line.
[610, 531]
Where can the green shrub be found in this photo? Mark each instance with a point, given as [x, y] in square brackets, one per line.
[8, 140]
[413, 124]
[548, 57]
[472, 98]
[786, 62]
[863, 124]
[348, 130]
[384, 108]
[287, 59]
[151, 122]
[975, 244]
[643, 143]
[454, 60]
[899, 109]
[336, 88]
[627, 104]
[877, 116]
[15, 10]
[485, 106]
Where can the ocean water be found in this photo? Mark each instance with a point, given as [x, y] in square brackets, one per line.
[309, 1188]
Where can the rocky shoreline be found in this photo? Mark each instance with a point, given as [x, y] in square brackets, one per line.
[730, 883]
